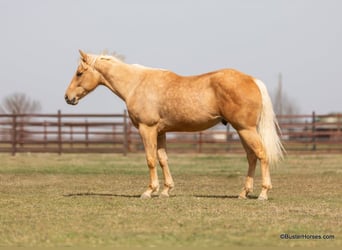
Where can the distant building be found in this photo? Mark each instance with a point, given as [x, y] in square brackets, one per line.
[329, 126]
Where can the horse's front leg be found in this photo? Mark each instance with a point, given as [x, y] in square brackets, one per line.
[162, 157]
[149, 137]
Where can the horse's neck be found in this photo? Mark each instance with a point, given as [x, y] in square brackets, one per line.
[119, 77]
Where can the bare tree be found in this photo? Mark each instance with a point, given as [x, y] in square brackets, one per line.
[282, 103]
[19, 103]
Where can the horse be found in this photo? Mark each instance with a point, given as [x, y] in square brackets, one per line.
[159, 101]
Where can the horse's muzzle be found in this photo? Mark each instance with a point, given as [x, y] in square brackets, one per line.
[73, 101]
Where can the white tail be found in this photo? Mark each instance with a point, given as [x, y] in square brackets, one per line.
[268, 126]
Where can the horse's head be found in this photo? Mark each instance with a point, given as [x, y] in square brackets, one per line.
[85, 80]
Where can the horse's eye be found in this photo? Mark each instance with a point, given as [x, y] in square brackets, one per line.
[79, 73]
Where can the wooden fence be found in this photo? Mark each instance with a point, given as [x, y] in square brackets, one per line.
[113, 133]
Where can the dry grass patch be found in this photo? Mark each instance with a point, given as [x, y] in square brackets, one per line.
[92, 200]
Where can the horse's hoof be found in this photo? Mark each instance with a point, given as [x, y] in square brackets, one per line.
[145, 196]
[262, 198]
[155, 191]
[164, 195]
[242, 197]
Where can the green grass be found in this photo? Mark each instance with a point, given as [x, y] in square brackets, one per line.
[93, 200]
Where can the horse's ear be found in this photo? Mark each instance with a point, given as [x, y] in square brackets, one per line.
[84, 65]
[84, 56]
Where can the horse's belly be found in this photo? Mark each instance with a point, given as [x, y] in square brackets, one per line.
[178, 121]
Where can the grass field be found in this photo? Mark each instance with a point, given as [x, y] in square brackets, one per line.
[93, 200]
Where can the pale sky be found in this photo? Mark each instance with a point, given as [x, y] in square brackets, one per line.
[302, 39]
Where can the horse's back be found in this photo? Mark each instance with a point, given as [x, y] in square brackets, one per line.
[190, 103]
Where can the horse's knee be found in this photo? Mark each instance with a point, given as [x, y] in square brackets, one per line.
[162, 158]
[163, 162]
[151, 161]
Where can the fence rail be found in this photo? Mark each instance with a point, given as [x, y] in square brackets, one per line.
[113, 133]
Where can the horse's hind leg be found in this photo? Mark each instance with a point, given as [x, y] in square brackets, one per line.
[162, 157]
[252, 161]
[253, 141]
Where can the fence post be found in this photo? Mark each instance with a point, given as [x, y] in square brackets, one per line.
[59, 123]
[21, 135]
[45, 133]
[125, 137]
[71, 136]
[228, 141]
[86, 133]
[14, 134]
[200, 142]
[313, 131]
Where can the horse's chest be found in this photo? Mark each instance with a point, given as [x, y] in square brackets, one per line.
[143, 114]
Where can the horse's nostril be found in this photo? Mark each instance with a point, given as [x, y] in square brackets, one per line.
[72, 101]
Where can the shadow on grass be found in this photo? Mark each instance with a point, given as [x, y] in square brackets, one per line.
[252, 197]
[101, 194]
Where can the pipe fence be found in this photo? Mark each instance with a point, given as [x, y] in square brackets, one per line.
[113, 133]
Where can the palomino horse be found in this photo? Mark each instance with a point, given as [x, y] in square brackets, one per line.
[159, 101]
